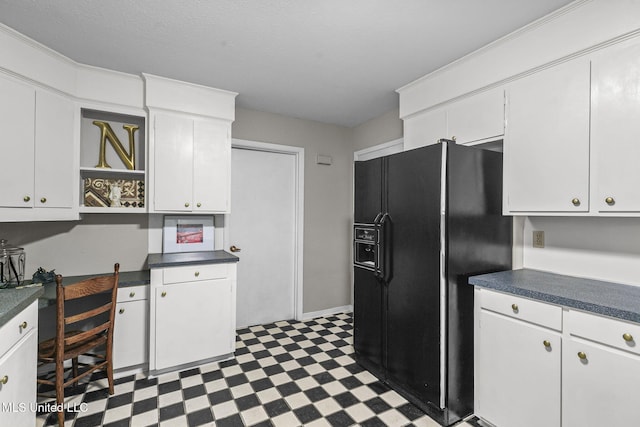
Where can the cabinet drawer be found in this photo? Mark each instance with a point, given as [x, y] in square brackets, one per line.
[133, 293]
[12, 331]
[539, 313]
[194, 273]
[605, 330]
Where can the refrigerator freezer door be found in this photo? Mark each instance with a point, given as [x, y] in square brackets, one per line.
[368, 190]
[368, 320]
[413, 294]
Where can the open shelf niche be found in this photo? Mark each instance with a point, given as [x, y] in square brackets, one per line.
[96, 179]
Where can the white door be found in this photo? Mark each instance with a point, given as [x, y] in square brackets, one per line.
[263, 224]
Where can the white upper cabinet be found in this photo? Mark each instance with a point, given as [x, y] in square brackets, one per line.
[476, 118]
[547, 141]
[173, 154]
[211, 165]
[573, 137]
[425, 129]
[190, 146]
[615, 128]
[40, 146]
[17, 106]
[192, 164]
[55, 173]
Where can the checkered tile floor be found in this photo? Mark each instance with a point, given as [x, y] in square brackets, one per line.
[286, 373]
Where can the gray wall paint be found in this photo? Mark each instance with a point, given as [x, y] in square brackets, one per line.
[327, 206]
[385, 128]
[89, 246]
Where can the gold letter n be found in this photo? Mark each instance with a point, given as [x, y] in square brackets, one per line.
[106, 134]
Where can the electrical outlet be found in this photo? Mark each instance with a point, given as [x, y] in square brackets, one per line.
[538, 239]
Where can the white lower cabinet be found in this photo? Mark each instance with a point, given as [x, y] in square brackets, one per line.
[517, 380]
[18, 368]
[130, 334]
[601, 370]
[581, 371]
[193, 312]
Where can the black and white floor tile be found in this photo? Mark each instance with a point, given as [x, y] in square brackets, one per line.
[286, 374]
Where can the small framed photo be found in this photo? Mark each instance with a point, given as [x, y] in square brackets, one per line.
[187, 234]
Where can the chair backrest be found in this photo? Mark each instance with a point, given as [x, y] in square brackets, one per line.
[80, 290]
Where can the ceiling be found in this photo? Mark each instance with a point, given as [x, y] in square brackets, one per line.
[333, 61]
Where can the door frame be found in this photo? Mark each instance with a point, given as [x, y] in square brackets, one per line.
[298, 153]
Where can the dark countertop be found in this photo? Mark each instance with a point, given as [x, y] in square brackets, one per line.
[13, 301]
[595, 296]
[190, 258]
[125, 279]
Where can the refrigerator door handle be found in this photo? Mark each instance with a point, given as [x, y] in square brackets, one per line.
[383, 269]
[377, 218]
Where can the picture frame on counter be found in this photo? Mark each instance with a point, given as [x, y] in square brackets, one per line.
[187, 234]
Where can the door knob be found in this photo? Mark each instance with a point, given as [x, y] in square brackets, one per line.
[234, 249]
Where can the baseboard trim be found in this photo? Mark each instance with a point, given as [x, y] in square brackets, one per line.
[327, 312]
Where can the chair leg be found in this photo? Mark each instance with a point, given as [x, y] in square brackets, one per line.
[74, 371]
[60, 392]
[110, 375]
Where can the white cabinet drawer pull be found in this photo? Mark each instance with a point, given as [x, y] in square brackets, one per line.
[197, 273]
[582, 355]
[26, 198]
[610, 201]
[4, 379]
[514, 307]
[627, 337]
[546, 343]
[23, 325]
[164, 294]
[132, 294]
[575, 201]
[121, 310]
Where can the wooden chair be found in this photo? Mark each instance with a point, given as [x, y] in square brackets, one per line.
[70, 344]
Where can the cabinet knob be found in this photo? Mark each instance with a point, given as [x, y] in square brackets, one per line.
[26, 198]
[199, 204]
[453, 138]
[164, 294]
[197, 273]
[121, 310]
[627, 337]
[43, 200]
[132, 294]
[514, 307]
[575, 201]
[4, 379]
[546, 343]
[610, 201]
[186, 205]
[23, 325]
[582, 355]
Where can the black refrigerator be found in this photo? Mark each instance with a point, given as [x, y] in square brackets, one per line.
[424, 221]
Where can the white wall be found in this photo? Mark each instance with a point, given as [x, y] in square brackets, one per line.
[599, 248]
[89, 246]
